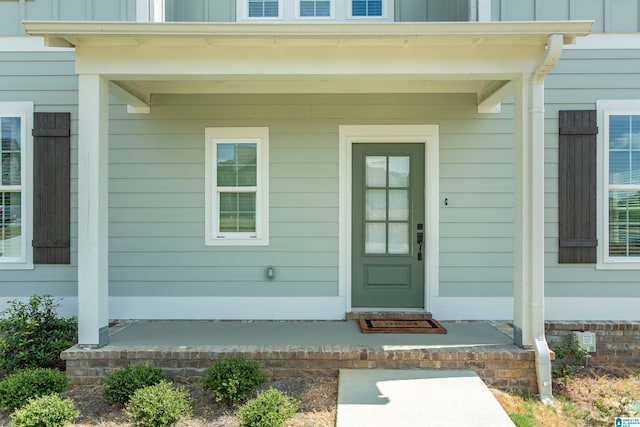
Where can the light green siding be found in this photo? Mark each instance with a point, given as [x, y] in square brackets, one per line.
[200, 10]
[157, 185]
[23, 77]
[612, 16]
[13, 12]
[580, 79]
[431, 10]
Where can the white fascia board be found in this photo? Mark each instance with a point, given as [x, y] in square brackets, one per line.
[78, 31]
[136, 104]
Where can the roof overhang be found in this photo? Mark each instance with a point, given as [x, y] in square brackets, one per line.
[142, 59]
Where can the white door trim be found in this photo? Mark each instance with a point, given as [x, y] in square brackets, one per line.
[353, 134]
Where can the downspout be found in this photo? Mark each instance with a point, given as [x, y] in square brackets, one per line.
[555, 44]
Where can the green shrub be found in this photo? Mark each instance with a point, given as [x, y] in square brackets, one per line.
[17, 388]
[34, 335]
[120, 385]
[159, 405]
[233, 378]
[45, 411]
[570, 358]
[270, 409]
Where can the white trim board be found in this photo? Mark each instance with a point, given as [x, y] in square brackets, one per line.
[228, 308]
[607, 41]
[353, 134]
[28, 44]
[556, 308]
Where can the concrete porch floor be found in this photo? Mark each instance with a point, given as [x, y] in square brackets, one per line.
[299, 333]
[185, 349]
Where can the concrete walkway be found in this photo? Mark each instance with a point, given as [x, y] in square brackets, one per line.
[411, 398]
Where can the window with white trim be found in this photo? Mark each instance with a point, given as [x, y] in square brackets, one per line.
[15, 191]
[263, 8]
[367, 8]
[619, 122]
[315, 8]
[237, 186]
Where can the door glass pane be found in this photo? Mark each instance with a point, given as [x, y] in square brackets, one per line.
[376, 171]
[375, 241]
[399, 238]
[376, 209]
[398, 171]
[398, 205]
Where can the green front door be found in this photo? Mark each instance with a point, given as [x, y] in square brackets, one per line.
[388, 226]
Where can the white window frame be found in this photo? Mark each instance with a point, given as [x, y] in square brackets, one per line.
[228, 135]
[24, 110]
[387, 12]
[332, 12]
[242, 8]
[606, 108]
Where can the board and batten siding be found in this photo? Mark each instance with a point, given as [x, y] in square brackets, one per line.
[13, 12]
[48, 80]
[581, 78]
[610, 16]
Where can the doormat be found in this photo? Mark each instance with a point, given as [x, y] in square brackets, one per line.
[401, 326]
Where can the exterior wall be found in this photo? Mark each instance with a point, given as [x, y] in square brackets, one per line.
[581, 78]
[157, 178]
[609, 16]
[48, 79]
[157, 190]
[200, 10]
[432, 10]
[13, 12]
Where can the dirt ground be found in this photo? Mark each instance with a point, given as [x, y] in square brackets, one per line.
[318, 399]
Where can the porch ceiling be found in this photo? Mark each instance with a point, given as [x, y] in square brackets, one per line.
[142, 59]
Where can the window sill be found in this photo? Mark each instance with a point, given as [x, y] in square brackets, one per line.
[17, 265]
[618, 265]
[237, 242]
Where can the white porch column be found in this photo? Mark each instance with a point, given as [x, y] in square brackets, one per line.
[93, 222]
[525, 212]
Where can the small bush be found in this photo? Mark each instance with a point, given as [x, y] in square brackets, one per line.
[233, 378]
[17, 388]
[45, 411]
[270, 409]
[120, 385]
[159, 405]
[34, 335]
[570, 358]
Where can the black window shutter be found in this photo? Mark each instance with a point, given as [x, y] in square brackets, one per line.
[51, 188]
[577, 208]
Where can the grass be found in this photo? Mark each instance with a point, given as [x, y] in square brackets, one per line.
[591, 398]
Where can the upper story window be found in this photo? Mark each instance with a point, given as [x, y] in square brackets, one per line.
[15, 191]
[315, 8]
[366, 8]
[263, 9]
[237, 186]
[620, 151]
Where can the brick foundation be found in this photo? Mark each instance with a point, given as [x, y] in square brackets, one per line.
[505, 367]
[617, 343]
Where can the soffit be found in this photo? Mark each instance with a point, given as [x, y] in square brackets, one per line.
[149, 58]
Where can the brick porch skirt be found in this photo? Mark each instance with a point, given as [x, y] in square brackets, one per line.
[506, 367]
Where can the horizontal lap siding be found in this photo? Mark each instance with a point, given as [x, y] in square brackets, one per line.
[592, 73]
[23, 77]
[156, 237]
